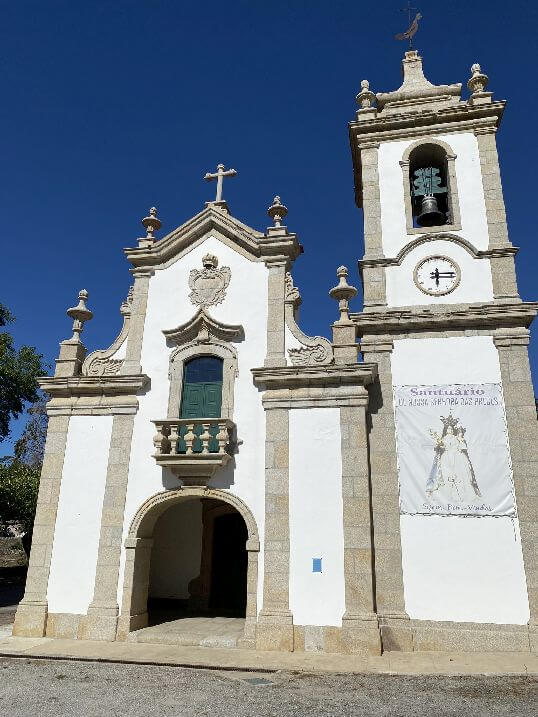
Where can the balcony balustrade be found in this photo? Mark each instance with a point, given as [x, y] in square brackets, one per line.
[193, 448]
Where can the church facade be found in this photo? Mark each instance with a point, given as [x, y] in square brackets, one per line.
[373, 492]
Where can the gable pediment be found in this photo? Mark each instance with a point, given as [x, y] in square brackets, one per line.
[178, 242]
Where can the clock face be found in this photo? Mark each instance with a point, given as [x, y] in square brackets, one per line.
[437, 275]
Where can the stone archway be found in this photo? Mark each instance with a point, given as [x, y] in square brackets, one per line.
[139, 542]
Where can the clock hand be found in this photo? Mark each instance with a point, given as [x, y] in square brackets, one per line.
[441, 275]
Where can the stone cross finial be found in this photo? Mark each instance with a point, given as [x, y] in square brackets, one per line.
[343, 293]
[366, 97]
[152, 224]
[478, 80]
[277, 211]
[80, 314]
[219, 176]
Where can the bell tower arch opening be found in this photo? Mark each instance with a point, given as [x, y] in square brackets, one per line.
[429, 187]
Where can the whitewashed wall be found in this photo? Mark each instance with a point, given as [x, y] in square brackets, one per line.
[458, 568]
[78, 521]
[476, 284]
[474, 225]
[168, 307]
[316, 520]
[177, 550]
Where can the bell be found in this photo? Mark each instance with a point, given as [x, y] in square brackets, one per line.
[430, 216]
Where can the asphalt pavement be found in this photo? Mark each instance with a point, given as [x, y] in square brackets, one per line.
[30, 687]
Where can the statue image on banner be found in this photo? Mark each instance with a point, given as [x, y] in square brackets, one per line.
[452, 450]
[452, 471]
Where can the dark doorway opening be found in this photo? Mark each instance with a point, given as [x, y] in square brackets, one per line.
[228, 592]
[199, 563]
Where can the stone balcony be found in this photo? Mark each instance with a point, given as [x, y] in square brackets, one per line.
[194, 448]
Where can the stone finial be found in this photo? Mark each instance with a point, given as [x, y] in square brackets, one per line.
[73, 351]
[80, 314]
[277, 211]
[152, 224]
[478, 80]
[366, 97]
[343, 293]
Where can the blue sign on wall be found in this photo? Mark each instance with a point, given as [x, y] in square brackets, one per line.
[316, 565]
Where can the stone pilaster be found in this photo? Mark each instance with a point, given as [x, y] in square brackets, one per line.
[248, 640]
[502, 263]
[389, 590]
[134, 608]
[345, 346]
[373, 277]
[491, 182]
[523, 436]
[275, 621]
[71, 358]
[133, 352]
[360, 629]
[101, 620]
[275, 314]
[31, 617]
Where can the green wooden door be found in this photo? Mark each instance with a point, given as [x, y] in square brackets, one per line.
[202, 400]
[202, 396]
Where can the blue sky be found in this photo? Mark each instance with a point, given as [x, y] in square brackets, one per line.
[112, 107]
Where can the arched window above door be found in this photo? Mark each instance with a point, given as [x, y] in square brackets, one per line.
[201, 395]
[202, 378]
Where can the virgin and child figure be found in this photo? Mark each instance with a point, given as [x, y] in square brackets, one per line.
[452, 475]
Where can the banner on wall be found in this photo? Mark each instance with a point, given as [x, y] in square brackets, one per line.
[452, 450]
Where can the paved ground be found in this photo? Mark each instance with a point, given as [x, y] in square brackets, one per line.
[204, 631]
[29, 687]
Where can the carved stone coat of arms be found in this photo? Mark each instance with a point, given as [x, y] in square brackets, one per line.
[208, 286]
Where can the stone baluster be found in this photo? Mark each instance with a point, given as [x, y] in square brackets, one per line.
[174, 438]
[189, 438]
[222, 437]
[158, 439]
[205, 437]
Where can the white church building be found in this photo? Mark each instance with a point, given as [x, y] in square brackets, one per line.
[216, 477]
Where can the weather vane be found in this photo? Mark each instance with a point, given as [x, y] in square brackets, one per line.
[413, 26]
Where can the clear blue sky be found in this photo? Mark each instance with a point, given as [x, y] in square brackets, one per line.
[111, 107]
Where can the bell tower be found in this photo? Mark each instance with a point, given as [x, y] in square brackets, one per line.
[427, 178]
[441, 308]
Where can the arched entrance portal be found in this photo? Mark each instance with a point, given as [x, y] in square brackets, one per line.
[191, 554]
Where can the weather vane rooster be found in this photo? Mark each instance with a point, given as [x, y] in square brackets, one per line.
[413, 26]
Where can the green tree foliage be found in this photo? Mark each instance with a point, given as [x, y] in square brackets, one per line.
[19, 477]
[19, 486]
[30, 447]
[18, 375]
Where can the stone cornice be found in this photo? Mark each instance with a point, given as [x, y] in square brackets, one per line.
[462, 117]
[93, 395]
[457, 118]
[293, 377]
[161, 252]
[445, 318]
[435, 236]
[255, 244]
[73, 386]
